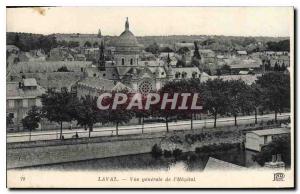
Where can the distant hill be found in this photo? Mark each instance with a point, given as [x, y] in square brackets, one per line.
[28, 41]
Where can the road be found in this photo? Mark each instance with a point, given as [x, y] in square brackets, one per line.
[137, 129]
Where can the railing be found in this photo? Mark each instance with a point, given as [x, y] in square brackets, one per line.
[136, 129]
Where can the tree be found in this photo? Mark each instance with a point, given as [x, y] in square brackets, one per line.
[183, 50]
[87, 113]
[255, 98]
[190, 86]
[275, 91]
[31, 121]
[59, 107]
[120, 115]
[96, 44]
[215, 97]
[180, 63]
[196, 52]
[141, 113]
[153, 48]
[73, 44]
[280, 145]
[237, 93]
[87, 44]
[63, 69]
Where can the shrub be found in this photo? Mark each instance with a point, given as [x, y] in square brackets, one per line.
[177, 153]
[156, 151]
[193, 157]
[167, 153]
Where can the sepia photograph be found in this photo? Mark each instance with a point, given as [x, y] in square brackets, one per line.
[150, 97]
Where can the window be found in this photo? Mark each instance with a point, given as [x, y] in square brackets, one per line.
[11, 103]
[131, 61]
[162, 73]
[104, 74]
[123, 61]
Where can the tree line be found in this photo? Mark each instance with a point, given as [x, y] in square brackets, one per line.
[270, 92]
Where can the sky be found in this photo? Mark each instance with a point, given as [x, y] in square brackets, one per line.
[149, 21]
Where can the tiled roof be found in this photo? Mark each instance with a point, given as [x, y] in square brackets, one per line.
[248, 79]
[97, 83]
[276, 131]
[243, 63]
[49, 66]
[14, 92]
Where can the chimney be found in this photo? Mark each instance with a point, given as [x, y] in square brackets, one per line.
[273, 158]
[279, 159]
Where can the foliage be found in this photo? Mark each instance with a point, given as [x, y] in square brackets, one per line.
[237, 93]
[216, 147]
[215, 97]
[87, 113]
[183, 50]
[196, 52]
[87, 44]
[28, 41]
[275, 91]
[31, 121]
[283, 45]
[156, 151]
[63, 69]
[153, 48]
[167, 153]
[177, 153]
[280, 145]
[59, 106]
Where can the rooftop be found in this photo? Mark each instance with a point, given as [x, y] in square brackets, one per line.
[276, 131]
[216, 164]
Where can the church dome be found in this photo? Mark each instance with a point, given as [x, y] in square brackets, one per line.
[127, 39]
[127, 42]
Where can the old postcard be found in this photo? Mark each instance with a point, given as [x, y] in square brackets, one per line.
[150, 97]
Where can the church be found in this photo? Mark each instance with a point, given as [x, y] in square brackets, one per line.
[126, 67]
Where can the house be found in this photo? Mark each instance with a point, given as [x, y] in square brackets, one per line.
[20, 97]
[255, 140]
[186, 73]
[237, 65]
[80, 57]
[95, 86]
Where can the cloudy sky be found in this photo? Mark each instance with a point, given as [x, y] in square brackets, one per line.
[236, 21]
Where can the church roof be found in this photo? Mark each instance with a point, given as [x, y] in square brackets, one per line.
[127, 38]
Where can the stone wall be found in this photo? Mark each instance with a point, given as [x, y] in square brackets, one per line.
[40, 154]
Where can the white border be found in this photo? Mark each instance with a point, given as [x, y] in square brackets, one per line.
[113, 3]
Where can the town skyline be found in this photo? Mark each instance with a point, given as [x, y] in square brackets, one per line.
[110, 19]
